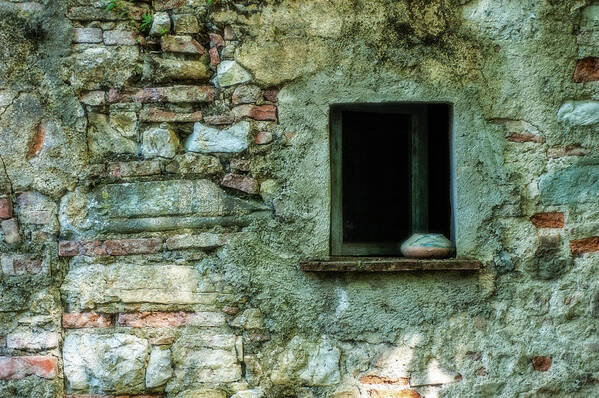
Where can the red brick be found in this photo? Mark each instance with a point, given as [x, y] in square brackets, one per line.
[5, 208]
[159, 115]
[264, 137]
[394, 394]
[27, 266]
[37, 143]
[374, 379]
[92, 248]
[181, 44]
[86, 320]
[579, 247]
[20, 367]
[257, 112]
[541, 363]
[172, 94]
[587, 70]
[219, 120]
[154, 319]
[518, 137]
[68, 248]
[240, 182]
[570, 150]
[548, 220]
[214, 57]
[216, 40]
[271, 94]
[121, 247]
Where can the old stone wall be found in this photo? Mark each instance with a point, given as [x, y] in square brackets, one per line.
[164, 168]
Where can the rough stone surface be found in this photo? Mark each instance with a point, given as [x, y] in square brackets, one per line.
[583, 113]
[231, 73]
[159, 142]
[209, 139]
[576, 184]
[159, 369]
[161, 24]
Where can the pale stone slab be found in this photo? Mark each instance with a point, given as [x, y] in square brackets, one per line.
[207, 139]
[581, 113]
[230, 73]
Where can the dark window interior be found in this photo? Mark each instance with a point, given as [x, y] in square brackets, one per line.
[376, 172]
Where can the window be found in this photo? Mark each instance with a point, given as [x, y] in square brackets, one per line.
[390, 175]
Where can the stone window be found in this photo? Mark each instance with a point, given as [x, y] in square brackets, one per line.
[391, 175]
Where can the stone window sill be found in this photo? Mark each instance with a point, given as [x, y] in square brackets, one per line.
[389, 264]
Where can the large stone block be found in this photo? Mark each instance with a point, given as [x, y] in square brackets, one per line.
[105, 363]
[99, 286]
[152, 205]
[209, 139]
[576, 184]
[582, 113]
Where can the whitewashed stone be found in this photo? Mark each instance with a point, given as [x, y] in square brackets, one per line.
[582, 113]
[159, 142]
[159, 369]
[323, 366]
[119, 38]
[87, 35]
[161, 24]
[207, 139]
[230, 73]
[255, 393]
[31, 341]
[112, 363]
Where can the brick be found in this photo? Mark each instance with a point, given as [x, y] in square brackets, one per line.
[205, 240]
[94, 98]
[240, 182]
[82, 320]
[154, 319]
[571, 150]
[5, 208]
[181, 44]
[541, 363]
[134, 169]
[27, 266]
[219, 120]
[87, 35]
[216, 40]
[29, 341]
[263, 138]
[214, 56]
[374, 379]
[394, 394]
[587, 70]
[10, 228]
[112, 396]
[121, 247]
[68, 248]
[19, 367]
[120, 38]
[548, 220]
[271, 95]
[159, 115]
[256, 112]
[525, 137]
[579, 247]
[172, 94]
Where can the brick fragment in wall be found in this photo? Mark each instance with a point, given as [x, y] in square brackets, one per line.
[271, 95]
[10, 228]
[134, 169]
[160, 115]
[241, 183]
[519, 137]
[181, 44]
[571, 150]
[264, 137]
[35, 208]
[172, 94]
[120, 38]
[587, 70]
[170, 319]
[578, 247]
[115, 247]
[216, 40]
[21, 264]
[394, 394]
[256, 112]
[214, 56]
[548, 220]
[20, 367]
[376, 379]
[5, 208]
[219, 120]
[83, 320]
[541, 363]
[87, 35]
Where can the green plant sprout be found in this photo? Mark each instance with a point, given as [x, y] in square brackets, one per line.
[146, 23]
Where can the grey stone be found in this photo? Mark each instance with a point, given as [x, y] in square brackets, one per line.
[194, 163]
[87, 35]
[119, 38]
[112, 363]
[255, 393]
[186, 24]
[575, 184]
[161, 24]
[159, 142]
[159, 369]
[104, 141]
[322, 368]
[97, 67]
[207, 139]
[246, 94]
[582, 113]
[160, 70]
[124, 122]
[251, 318]
[230, 73]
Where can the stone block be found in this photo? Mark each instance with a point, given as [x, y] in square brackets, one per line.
[10, 228]
[124, 122]
[219, 120]
[579, 113]
[194, 163]
[159, 369]
[181, 44]
[214, 56]
[31, 341]
[172, 94]
[87, 35]
[170, 70]
[159, 142]
[241, 182]
[157, 115]
[94, 98]
[216, 40]
[122, 247]
[134, 169]
[163, 5]
[20, 367]
[110, 363]
[5, 208]
[575, 184]
[246, 94]
[82, 320]
[230, 73]
[207, 139]
[186, 24]
[587, 70]
[256, 112]
[105, 141]
[161, 24]
[120, 38]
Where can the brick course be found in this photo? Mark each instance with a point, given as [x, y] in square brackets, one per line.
[20, 367]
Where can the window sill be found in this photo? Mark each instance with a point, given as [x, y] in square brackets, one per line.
[388, 264]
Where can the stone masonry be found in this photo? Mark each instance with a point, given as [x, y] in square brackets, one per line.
[164, 168]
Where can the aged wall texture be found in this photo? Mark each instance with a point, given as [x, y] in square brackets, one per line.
[164, 168]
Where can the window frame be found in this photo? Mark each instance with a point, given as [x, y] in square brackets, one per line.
[419, 175]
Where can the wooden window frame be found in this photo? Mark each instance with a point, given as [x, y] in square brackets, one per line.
[419, 175]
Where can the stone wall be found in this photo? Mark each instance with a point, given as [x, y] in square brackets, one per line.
[164, 168]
